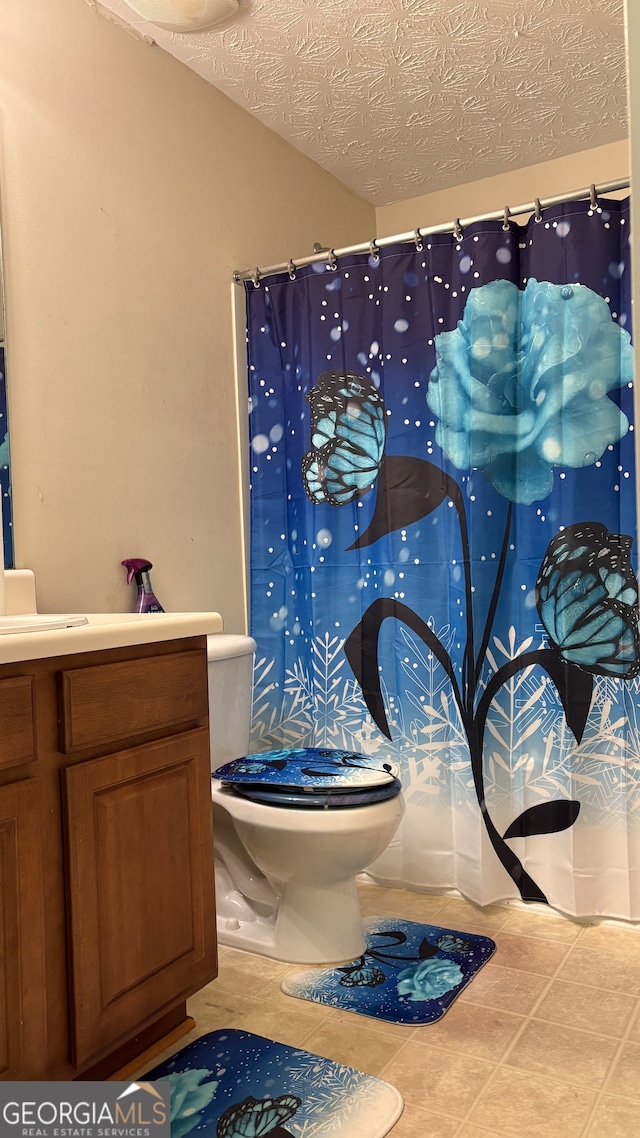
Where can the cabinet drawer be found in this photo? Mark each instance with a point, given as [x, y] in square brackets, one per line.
[17, 721]
[108, 702]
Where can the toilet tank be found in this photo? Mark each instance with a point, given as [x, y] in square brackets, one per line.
[230, 663]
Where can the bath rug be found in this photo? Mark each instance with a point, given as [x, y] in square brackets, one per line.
[232, 1084]
[409, 973]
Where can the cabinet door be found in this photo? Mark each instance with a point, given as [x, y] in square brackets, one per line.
[139, 846]
[22, 983]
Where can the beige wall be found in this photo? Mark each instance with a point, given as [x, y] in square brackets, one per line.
[131, 190]
[517, 187]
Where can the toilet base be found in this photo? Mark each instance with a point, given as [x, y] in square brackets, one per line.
[309, 926]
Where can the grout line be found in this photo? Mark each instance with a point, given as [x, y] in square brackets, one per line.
[584, 984]
[502, 1062]
[607, 1079]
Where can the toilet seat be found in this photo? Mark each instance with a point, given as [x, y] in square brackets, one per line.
[311, 777]
[327, 800]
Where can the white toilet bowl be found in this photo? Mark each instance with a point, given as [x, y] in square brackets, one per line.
[285, 876]
[310, 859]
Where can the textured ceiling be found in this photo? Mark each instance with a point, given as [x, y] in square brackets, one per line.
[403, 97]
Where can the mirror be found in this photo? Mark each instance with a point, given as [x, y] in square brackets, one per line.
[5, 483]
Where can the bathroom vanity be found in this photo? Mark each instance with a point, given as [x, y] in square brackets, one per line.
[107, 907]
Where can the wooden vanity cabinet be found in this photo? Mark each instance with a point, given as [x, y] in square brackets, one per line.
[107, 906]
[22, 963]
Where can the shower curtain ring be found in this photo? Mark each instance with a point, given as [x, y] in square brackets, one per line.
[593, 197]
[538, 211]
[418, 240]
[505, 219]
[331, 261]
[457, 230]
[292, 270]
[374, 252]
[255, 277]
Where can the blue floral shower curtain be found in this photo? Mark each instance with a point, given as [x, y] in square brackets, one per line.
[443, 561]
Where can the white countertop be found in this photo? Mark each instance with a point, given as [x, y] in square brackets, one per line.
[104, 630]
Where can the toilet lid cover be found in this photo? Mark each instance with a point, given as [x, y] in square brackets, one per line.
[315, 769]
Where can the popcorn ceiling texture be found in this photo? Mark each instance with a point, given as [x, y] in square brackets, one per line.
[401, 97]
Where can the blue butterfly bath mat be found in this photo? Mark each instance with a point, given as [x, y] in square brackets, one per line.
[408, 973]
[232, 1084]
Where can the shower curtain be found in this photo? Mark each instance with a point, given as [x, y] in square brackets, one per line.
[443, 560]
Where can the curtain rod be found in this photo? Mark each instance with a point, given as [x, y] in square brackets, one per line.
[455, 227]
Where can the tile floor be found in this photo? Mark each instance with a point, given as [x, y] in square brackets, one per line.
[543, 1043]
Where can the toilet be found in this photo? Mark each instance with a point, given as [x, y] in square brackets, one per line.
[288, 844]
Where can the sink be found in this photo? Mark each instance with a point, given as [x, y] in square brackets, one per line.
[37, 622]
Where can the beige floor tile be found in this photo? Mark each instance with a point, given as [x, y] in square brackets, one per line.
[212, 1008]
[624, 1080]
[520, 1054]
[613, 1118]
[515, 1103]
[447, 1081]
[417, 1123]
[419, 907]
[614, 971]
[611, 938]
[290, 1023]
[588, 1008]
[472, 1030]
[401, 1031]
[553, 1051]
[548, 926]
[367, 892]
[246, 973]
[529, 954]
[350, 1041]
[464, 916]
[505, 988]
[252, 960]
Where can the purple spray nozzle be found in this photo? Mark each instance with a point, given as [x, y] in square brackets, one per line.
[134, 565]
[139, 567]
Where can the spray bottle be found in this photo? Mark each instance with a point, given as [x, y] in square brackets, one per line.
[139, 568]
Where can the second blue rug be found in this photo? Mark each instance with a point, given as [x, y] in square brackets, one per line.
[408, 973]
[232, 1084]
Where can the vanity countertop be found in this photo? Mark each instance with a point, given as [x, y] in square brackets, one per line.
[106, 630]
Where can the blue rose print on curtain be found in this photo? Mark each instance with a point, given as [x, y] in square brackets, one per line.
[521, 384]
[443, 529]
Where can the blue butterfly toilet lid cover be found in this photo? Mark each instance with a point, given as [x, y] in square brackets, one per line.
[311, 770]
